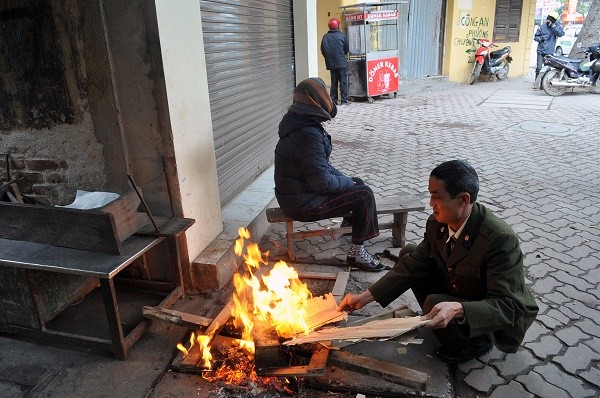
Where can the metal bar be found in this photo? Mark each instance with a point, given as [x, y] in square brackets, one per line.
[143, 202]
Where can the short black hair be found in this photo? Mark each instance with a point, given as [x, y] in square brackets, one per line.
[458, 176]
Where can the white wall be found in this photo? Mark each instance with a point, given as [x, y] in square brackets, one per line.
[305, 39]
[182, 47]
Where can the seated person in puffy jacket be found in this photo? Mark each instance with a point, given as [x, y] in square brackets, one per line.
[307, 186]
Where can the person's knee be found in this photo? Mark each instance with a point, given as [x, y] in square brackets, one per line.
[431, 300]
[409, 248]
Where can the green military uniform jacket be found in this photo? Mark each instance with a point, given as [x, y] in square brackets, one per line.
[484, 270]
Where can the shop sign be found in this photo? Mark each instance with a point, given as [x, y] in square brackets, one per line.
[371, 16]
[382, 76]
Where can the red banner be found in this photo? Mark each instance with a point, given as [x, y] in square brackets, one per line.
[382, 76]
[371, 16]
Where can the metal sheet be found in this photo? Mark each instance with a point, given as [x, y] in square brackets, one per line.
[249, 49]
[420, 26]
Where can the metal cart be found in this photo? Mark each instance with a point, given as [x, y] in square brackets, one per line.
[372, 31]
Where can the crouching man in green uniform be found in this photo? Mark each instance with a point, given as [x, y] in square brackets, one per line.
[467, 273]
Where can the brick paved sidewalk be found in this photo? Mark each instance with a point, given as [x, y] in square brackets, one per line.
[537, 158]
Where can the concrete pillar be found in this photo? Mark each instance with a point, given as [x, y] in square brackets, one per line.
[184, 66]
[305, 39]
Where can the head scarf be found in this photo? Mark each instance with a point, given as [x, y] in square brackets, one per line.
[312, 100]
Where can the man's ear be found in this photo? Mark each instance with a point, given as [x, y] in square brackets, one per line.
[464, 198]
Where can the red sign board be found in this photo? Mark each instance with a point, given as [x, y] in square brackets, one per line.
[371, 16]
[382, 76]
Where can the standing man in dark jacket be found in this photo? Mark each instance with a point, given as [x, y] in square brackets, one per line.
[334, 48]
[467, 274]
[546, 38]
[307, 186]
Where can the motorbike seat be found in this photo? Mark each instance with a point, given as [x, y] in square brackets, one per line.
[499, 53]
[565, 58]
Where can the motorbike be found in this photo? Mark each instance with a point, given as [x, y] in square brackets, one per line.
[570, 73]
[490, 62]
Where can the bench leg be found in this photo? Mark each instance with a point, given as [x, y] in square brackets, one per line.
[290, 239]
[399, 229]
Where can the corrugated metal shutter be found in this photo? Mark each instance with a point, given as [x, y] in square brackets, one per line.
[249, 47]
[420, 29]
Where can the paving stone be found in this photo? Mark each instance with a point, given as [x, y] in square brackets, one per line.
[484, 379]
[540, 270]
[594, 344]
[582, 309]
[557, 297]
[545, 285]
[550, 322]
[513, 390]
[535, 331]
[516, 363]
[547, 346]
[578, 295]
[577, 358]
[588, 326]
[536, 384]
[571, 335]
[592, 376]
[557, 377]
[580, 282]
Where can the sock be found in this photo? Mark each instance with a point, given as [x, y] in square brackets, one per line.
[355, 249]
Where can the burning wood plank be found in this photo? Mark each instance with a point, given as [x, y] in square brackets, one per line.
[316, 367]
[323, 310]
[386, 328]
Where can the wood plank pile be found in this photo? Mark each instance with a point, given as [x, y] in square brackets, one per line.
[310, 358]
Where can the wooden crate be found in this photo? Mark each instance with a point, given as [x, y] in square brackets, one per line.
[102, 229]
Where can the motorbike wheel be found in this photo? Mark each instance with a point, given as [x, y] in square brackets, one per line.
[553, 75]
[475, 72]
[504, 72]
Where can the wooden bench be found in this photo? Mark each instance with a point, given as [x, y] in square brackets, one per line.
[398, 206]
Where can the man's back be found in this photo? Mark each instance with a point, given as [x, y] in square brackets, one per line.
[334, 48]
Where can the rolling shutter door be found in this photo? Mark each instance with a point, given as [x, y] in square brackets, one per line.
[249, 48]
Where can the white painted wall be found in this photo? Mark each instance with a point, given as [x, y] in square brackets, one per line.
[305, 39]
[182, 47]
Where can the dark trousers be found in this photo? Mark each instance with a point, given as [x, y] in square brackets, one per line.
[358, 200]
[339, 77]
[540, 63]
[435, 290]
[429, 294]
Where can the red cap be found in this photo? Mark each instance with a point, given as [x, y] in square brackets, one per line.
[333, 23]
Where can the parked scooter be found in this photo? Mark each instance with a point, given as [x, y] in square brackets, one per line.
[571, 73]
[490, 63]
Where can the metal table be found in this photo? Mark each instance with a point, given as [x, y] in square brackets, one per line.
[47, 258]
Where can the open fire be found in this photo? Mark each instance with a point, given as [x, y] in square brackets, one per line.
[277, 300]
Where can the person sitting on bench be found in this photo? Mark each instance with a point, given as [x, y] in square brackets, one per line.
[308, 187]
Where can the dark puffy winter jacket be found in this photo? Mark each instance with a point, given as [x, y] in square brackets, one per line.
[304, 178]
[334, 48]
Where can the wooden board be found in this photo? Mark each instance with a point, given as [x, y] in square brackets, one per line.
[192, 321]
[385, 328]
[322, 310]
[387, 371]
[101, 230]
[77, 229]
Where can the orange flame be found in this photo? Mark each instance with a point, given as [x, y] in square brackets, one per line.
[278, 298]
[206, 355]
